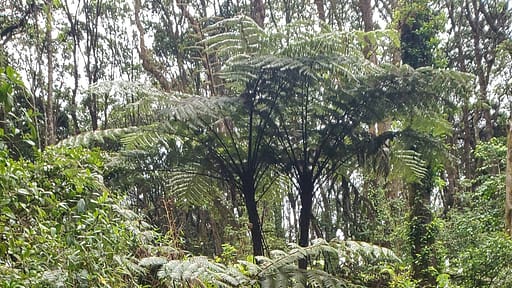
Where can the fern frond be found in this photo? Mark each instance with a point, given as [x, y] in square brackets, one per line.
[87, 138]
[282, 259]
[320, 279]
[191, 188]
[233, 36]
[145, 137]
[151, 262]
[411, 162]
[161, 106]
[280, 270]
[197, 271]
[362, 252]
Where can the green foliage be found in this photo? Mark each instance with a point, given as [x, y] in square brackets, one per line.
[335, 264]
[157, 105]
[478, 251]
[92, 138]
[10, 80]
[18, 132]
[492, 154]
[419, 25]
[61, 227]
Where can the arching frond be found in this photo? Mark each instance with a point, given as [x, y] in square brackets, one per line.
[357, 251]
[192, 188]
[278, 270]
[235, 36]
[160, 105]
[161, 110]
[142, 138]
[87, 138]
[196, 271]
[410, 163]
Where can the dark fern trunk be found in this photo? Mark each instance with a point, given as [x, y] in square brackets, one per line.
[249, 193]
[306, 198]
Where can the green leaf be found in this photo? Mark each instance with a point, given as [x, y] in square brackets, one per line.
[81, 206]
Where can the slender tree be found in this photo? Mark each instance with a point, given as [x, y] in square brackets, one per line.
[508, 180]
[49, 108]
[73, 22]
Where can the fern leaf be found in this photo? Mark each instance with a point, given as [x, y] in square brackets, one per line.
[193, 189]
[151, 262]
[87, 138]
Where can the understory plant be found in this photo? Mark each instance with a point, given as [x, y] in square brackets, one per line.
[61, 227]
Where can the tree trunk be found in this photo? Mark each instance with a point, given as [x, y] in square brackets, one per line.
[50, 122]
[326, 215]
[306, 199]
[75, 88]
[149, 64]
[73, 24]
[254, 219]
[320, 9]
[469, 142]
[93, 10]
[348, 221]
[508, 181]
[278, 220]
[365, 6]
[207, 58]
[421, 235]
[450, 189]
[93, 111]
[417, 51]
[258, 12]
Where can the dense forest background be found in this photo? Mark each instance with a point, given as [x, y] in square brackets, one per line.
[255, 143]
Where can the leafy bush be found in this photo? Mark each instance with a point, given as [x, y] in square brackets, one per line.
[60, 226]
[479, 252]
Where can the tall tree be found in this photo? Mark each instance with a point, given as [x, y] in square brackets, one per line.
[508, 181]
[93, 11]
[73, 22]
[258, 12]
[418, 30]
[50, 117]
[153, 67]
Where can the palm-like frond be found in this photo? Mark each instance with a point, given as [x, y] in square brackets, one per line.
[235, 36]
[357, 251]
[87, 138]
[247, 50]
[161, 105]
[280, 258]
[278, 270]
[410, 164]
[196, 271]
[161, 109]
[192, 188]
[142, 138]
